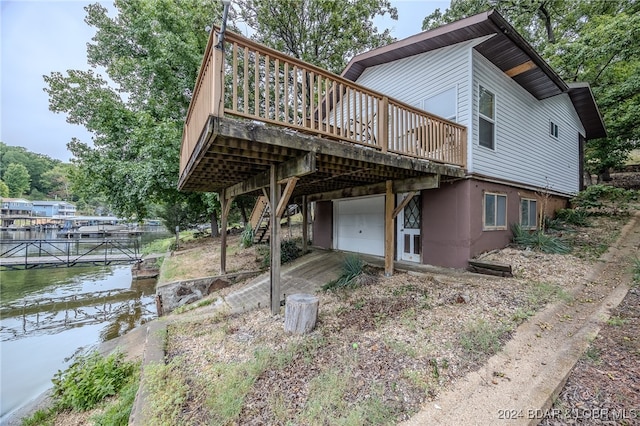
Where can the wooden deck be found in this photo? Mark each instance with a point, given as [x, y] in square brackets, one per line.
[253, 107]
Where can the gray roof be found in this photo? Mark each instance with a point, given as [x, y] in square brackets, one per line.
[507, 50]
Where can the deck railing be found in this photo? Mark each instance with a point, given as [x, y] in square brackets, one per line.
[252, 81]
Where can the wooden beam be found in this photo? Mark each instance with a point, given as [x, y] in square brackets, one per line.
[274, 240]
[225, 204]
[403, 204]
[233, 129]
[295, 167]
[399, 186]
[388, 230]
[284, 199]
[305, 224]
[519, 69]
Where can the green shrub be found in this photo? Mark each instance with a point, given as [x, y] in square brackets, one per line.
[289, 251]
[352, 267]
[247, 236]
[90, 379]
[599, 197]
[538, 240]
[576, 217]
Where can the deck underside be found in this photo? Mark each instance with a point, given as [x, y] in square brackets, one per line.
[237, 155]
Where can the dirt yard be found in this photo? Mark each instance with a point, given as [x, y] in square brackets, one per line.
[385, 347]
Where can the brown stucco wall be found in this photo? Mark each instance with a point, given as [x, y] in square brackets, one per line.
[446, 225]
[323, 225]
[452, 220]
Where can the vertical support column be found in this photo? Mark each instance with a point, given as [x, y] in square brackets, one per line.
[225, 205]
[383, 123]
[388, 230]
[305, 224]
[216, 79]
[275, 242]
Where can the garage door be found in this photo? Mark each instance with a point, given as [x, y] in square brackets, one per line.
[359, 225]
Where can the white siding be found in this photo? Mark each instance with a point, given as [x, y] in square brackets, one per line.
[413, 79]
[525, 152]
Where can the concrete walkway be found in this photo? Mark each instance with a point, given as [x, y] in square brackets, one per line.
[519, 383]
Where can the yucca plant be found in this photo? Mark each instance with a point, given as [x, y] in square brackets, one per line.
[537, 240]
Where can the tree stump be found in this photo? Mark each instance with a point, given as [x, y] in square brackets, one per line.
[301, 313]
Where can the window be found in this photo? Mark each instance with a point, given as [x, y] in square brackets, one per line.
[495, 211]
[528, 213]
[444, 104]
[486, 118]
[553, 129]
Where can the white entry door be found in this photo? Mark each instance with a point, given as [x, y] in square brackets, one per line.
[409, 220]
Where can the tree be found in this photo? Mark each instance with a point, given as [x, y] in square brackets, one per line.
[17, 179]
[57, 180]
[4, 189]
[151, 52]
[36, 164]
[326, 33]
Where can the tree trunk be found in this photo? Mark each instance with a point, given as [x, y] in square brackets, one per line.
[214, 225]
[543, 13]
[301, 313]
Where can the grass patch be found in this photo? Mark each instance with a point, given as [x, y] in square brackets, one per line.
[481, 339]
[636, 271]
[616, 321]
[541, 293]
[592, 355]
[168, 391]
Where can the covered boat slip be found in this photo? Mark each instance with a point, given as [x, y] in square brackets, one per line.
[263, 123]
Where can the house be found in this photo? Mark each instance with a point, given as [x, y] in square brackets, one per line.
[53, 209]
[526, 134]
[15, 207]
[425, 150]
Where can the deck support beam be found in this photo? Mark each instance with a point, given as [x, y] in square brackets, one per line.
[388, 230]
[225, 204]
[305, 224]
[296, 167]
[274, 240]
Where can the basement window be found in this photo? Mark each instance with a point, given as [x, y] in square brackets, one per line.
[528, 213]
[494, 212]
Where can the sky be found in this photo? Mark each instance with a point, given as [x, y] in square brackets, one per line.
[42, 36]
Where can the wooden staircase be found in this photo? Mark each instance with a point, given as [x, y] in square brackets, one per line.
[259, 219]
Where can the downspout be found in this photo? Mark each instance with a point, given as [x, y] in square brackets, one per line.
[223, 28]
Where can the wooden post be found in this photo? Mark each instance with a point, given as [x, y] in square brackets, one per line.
[388, 230]
[217, 78]
[274, 225]
[301, 313]
[305, 224]
[225, 205]
[383, 123]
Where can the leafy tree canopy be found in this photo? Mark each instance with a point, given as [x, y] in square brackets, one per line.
[326, 33]
[36, 165]
[4, 189]
[151, 52]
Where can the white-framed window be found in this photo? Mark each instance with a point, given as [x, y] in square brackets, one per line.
[443, 104]
[494, 212]
[528, 213]
[486, 118]
[553, 129]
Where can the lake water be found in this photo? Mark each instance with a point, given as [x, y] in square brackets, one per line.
[47, 316]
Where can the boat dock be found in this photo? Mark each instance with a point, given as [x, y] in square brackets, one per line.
[29, 254]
